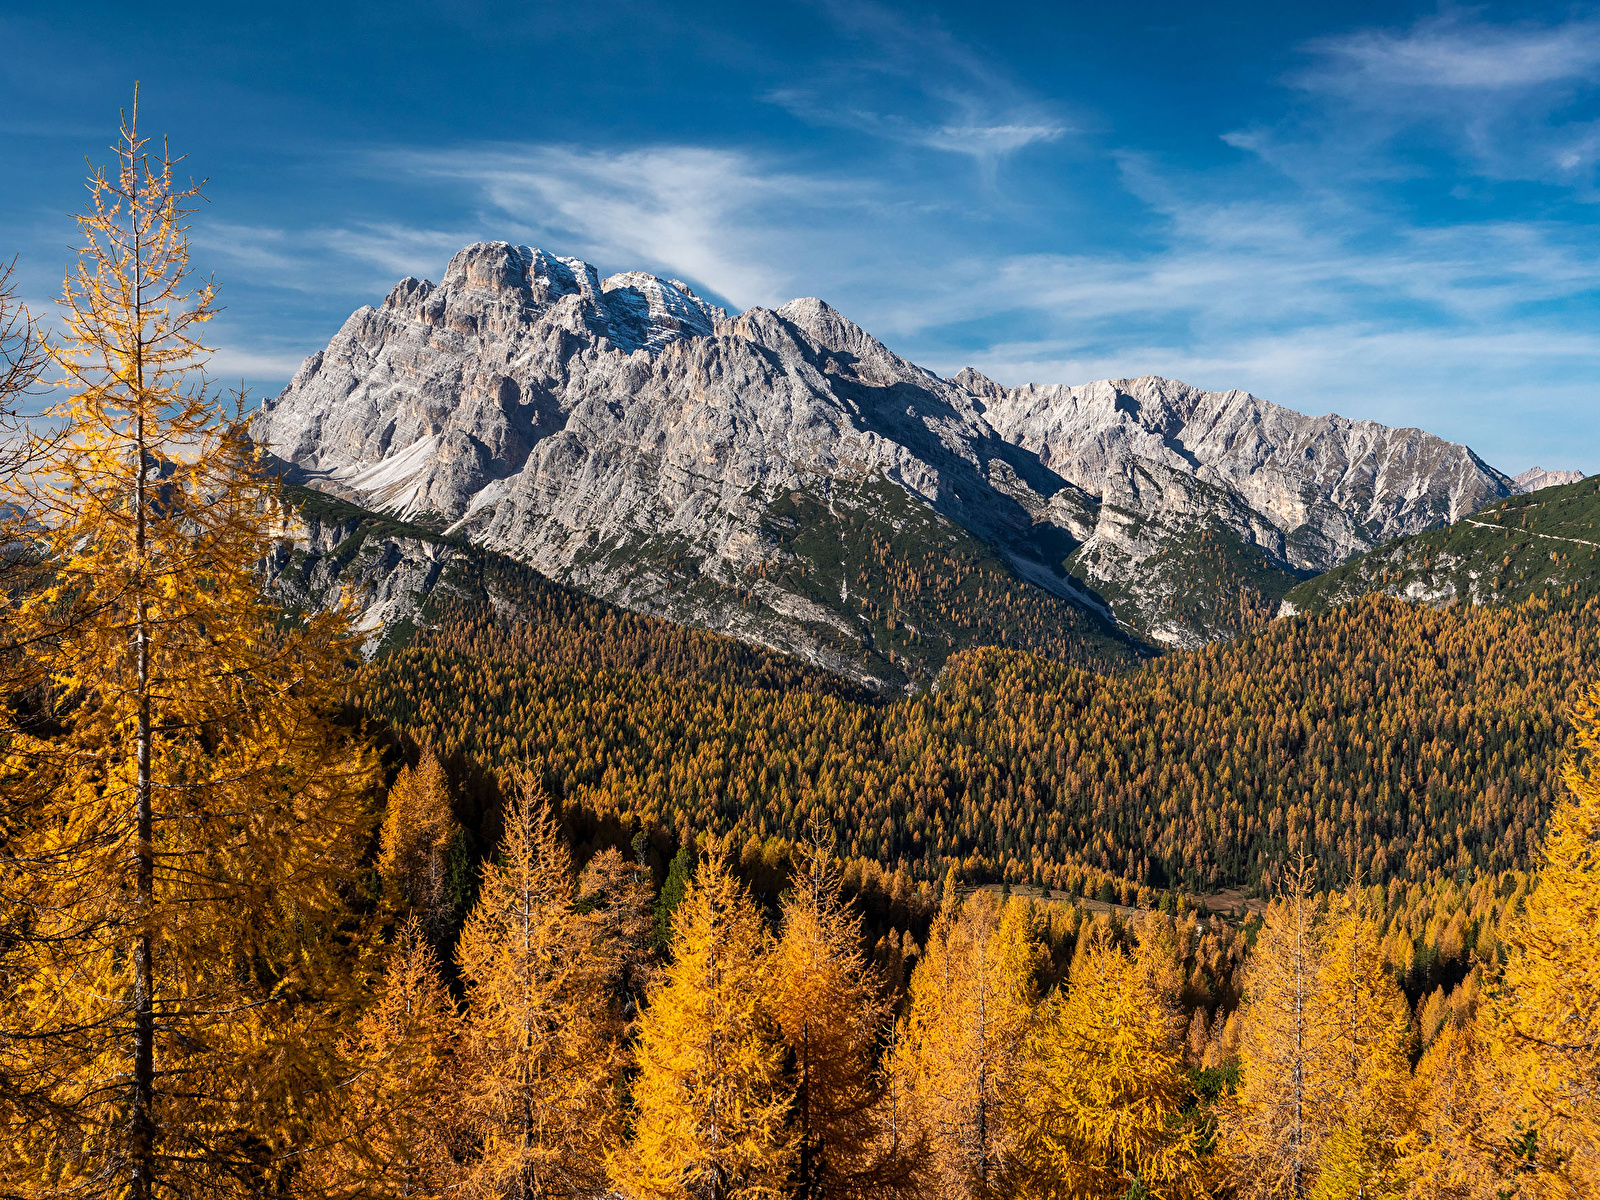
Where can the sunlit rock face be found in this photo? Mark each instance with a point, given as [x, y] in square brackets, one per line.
[627, 437]
[1536, 479]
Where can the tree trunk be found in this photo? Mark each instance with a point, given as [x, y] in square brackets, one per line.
[805, 1111]
[142, 1124]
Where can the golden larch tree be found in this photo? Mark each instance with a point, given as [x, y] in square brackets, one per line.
[414, 844]
[400, 1109]
[826, 1000]
[1097, 1105]
[1454, 1149]
[972, 997]
[182, 813]
[1362, 1027]
[710, 1106]
[615, 899]
[22, 357]
[1544, 1017]
[540, 1056]
[1273, 1131]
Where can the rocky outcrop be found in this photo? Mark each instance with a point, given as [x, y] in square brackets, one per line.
[389, 572]
[627, 437]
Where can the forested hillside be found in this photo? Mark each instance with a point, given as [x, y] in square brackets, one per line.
[913, 589]
[1382, 736]
[1544, 543]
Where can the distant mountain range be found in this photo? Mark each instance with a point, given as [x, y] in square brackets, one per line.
[1537, 478]
[782, 476]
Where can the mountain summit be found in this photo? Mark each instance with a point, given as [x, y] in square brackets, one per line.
[782, 475]
[1536, 479]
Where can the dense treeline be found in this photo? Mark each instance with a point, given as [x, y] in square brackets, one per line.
[1382, 737]
[1015, 1049]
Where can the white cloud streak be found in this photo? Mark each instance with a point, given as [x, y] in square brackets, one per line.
[1322, 294]
[1305, 300]
[912, 82]
[359, 257]
[1458, 54]
[1501, 99]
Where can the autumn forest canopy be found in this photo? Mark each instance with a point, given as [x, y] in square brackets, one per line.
[537, 897]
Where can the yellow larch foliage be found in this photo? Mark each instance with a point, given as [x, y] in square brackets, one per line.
[826, 1002]
[183, 817]
[1361, 1025]
[614, 898]
[1455, 1149]
[710, 1106]
[1098, 1101]
[401, 1107]
[1432, 1016]
[1018, 766]
[414, 843]
[540, 1056]
[972, 998]
[1273, 1130]
[1544, 1025]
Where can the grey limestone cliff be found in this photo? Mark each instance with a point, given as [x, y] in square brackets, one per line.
[626, 437]
[1275, 494]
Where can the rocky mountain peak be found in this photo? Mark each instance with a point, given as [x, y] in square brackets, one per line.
[629, 437]
[491, 286]
[650, 312]
[1536, 479]
[495, 267]
[974, 381]
[829, 328]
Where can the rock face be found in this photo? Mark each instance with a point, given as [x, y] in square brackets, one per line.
[1280, 495]
[758, 473]
[1537, 478]
[328, 552]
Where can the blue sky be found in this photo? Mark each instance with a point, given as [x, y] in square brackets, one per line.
[1388, 211]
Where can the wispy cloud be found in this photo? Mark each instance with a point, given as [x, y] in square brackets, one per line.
[1297, 274]
[741, 225]
[910, 81]
[1307, 299]
[1502, 101]
[708, 215]
[1456, 53]
[229, 363]
[360, 257]
[974, 128]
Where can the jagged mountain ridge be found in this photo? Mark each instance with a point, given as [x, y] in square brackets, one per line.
[626, 437]
[1172, 464]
